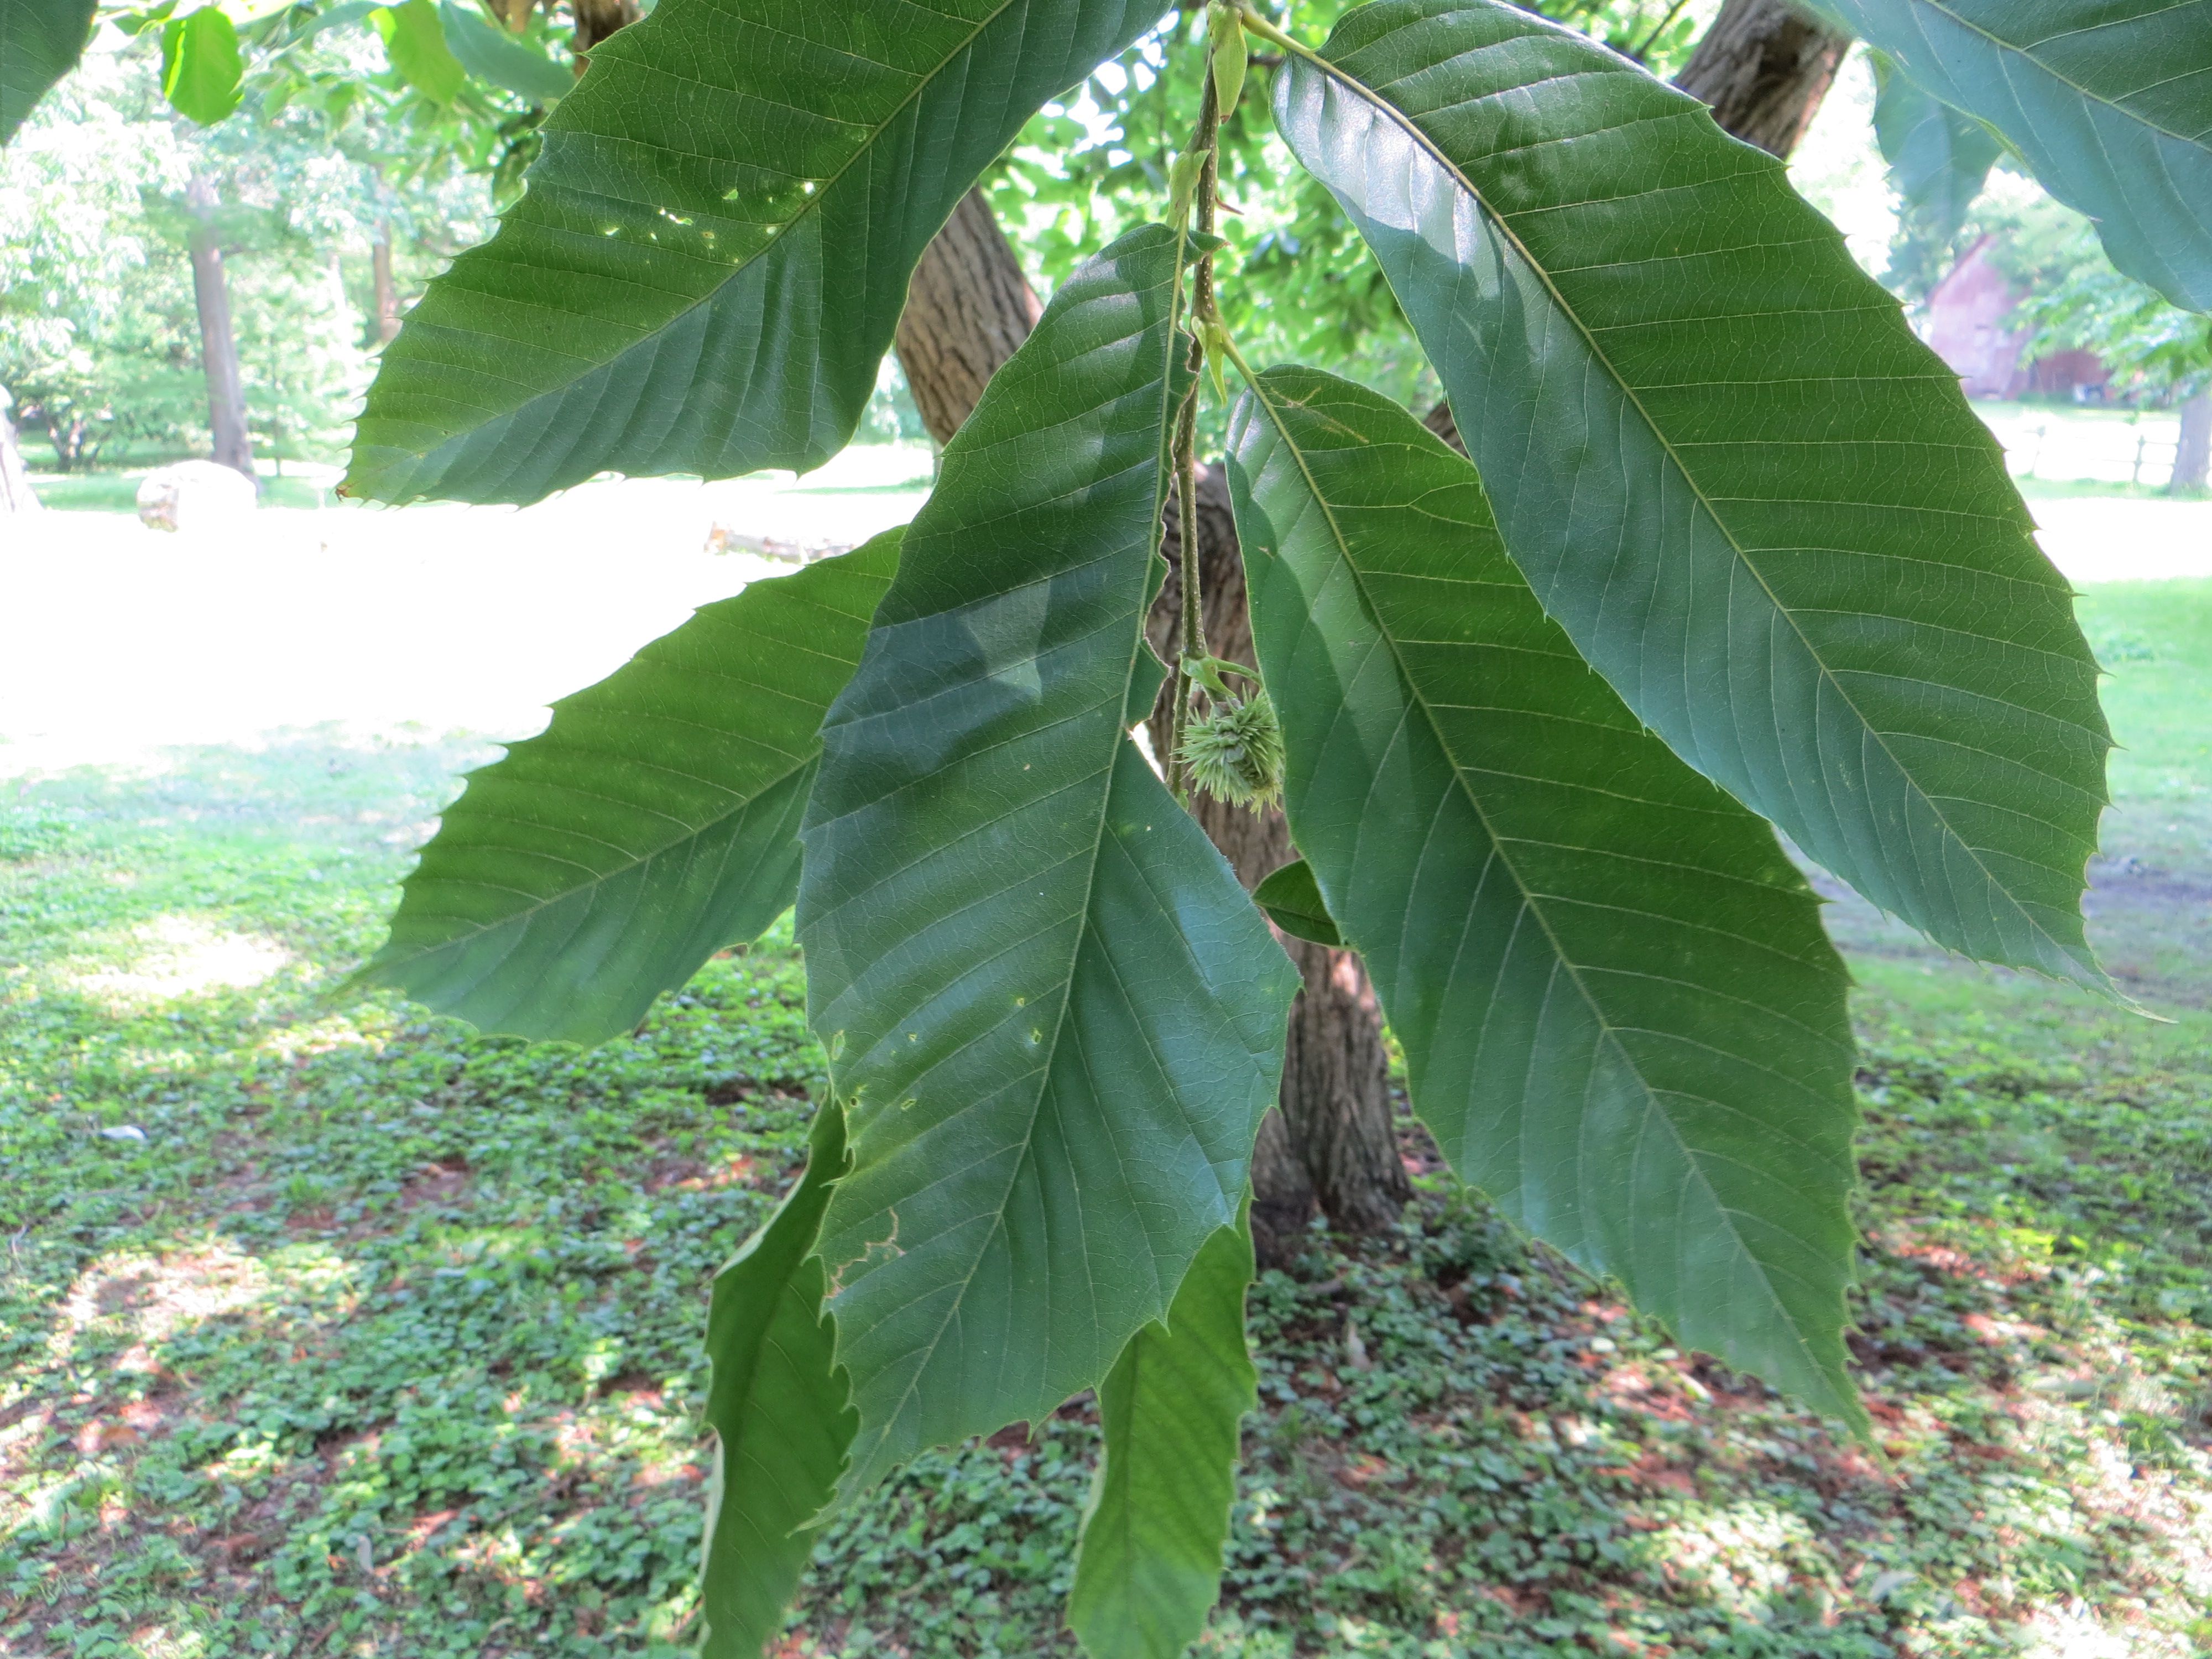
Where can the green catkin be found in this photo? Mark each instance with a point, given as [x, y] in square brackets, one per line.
[1235, 752]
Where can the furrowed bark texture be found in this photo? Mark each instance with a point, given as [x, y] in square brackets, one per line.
[1333, 1144]
[234, 446]
[969, 308]
[1764, 66]
[1337, 1146]
[595, 21]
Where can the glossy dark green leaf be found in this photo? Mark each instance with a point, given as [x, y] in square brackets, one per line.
[1053, 1017]
[778, 1407]
[1939, 159]
[202, 72]
[654, 822]
[415, 41]
[1760, 505]
[41, 41]
[490, 53]
[1619, 1014]
[2109, 101]
[1293, 903]
[1148, 1570]
[714, 247]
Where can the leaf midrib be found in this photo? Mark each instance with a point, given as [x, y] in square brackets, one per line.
[691, 833]
[1407, 124]
[1050, 1058]
[1531, 903]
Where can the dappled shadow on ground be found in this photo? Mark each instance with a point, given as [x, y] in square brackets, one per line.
[384, 1340]
[1466, 1446]
[329, 1329]
[380, 1332]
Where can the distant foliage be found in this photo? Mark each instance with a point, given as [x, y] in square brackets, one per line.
[99, 338]
[1095, 163]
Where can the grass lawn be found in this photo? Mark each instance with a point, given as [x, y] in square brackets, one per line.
[331, 1328]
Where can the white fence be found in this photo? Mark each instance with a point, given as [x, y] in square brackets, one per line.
[2092, 447]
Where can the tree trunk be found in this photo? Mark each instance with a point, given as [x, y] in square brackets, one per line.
[1333, 1143]
[1336, 1146]
[388, 297]
[968, 308]
[595, 21]
[1764, 66]
[16, 495]
[233, 447]
[2192, 460]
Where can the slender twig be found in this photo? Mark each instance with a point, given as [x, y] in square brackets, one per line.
[1192, 645]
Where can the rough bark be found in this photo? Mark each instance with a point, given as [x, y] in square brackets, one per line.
[234, 445]
[2192, 460]
[1333, 1144]
[387, 296]
[16, 495]
[595, 21]
[968, 308]
[1764, 66]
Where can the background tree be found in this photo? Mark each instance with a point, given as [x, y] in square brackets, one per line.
[225, 388]
[97, 333]
[99, 326]
[1764, 66]
[261, 156]
[38, 45]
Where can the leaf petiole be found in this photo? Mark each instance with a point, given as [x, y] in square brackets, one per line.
[1267, 31]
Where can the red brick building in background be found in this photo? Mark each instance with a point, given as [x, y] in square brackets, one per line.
[1969, 325]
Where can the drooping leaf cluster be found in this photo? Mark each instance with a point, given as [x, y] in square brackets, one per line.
[1726, 553]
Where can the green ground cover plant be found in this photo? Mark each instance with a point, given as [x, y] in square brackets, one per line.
[386, 1338]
